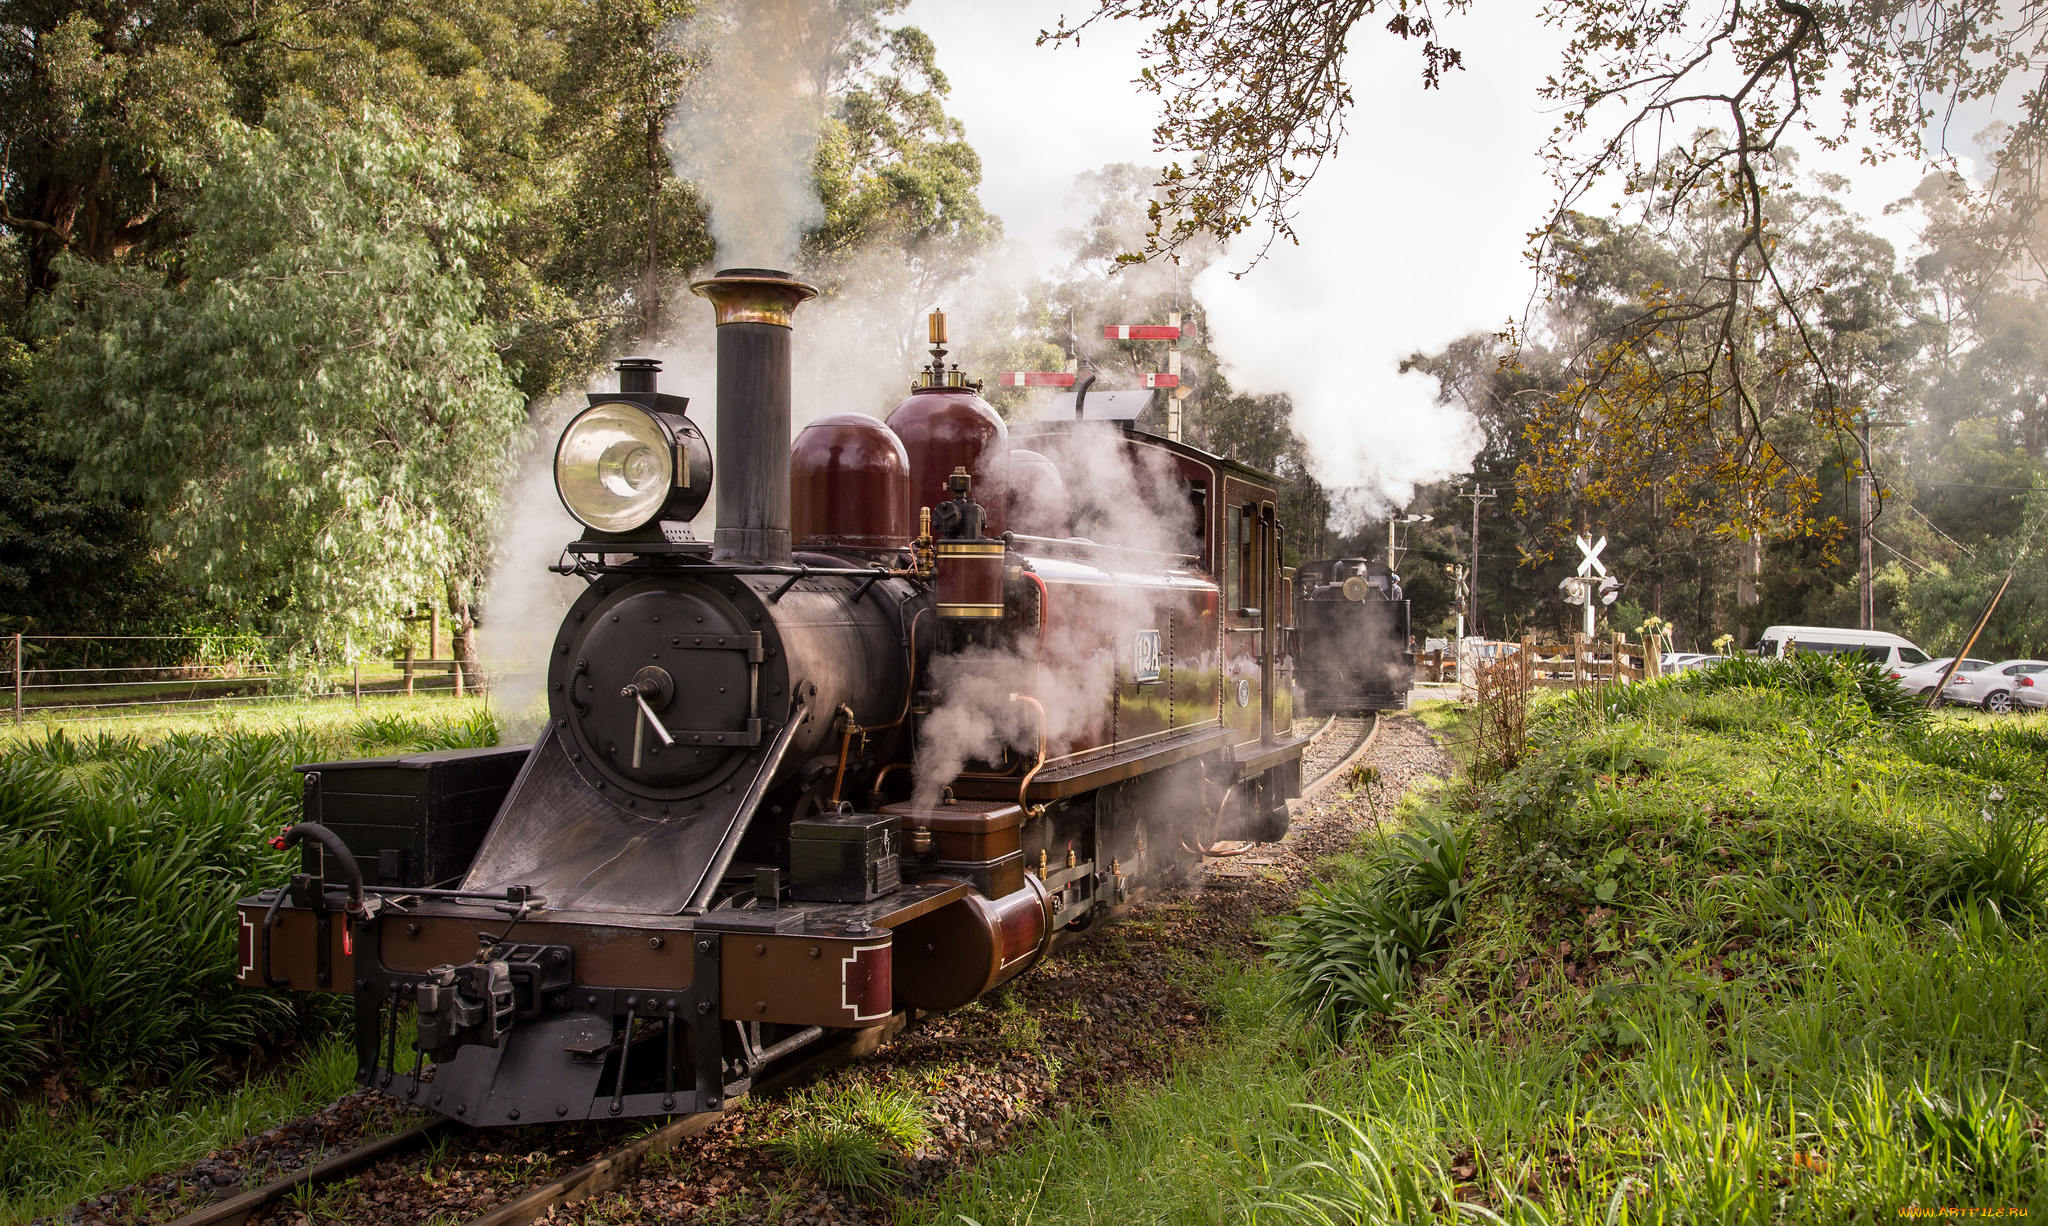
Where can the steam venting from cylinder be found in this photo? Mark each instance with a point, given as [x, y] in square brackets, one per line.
[753, 306]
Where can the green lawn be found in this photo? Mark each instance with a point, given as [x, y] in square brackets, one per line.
[1761, 949]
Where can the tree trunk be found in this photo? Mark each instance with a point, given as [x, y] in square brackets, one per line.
[462, 636]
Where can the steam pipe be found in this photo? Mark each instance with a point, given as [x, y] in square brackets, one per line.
[875, 788]
[847, 729]
[1024, 788]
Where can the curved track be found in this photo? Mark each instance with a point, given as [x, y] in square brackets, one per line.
[1364, 730]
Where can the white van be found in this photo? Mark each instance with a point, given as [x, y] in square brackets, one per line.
[1873, 645]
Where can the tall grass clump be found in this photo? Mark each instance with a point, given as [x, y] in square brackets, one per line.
[120, 864]
[855, 1138]
[1346, 953]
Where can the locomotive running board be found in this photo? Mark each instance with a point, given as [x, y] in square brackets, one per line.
[1056, 783]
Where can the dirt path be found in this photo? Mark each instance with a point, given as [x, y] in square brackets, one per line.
[1107, 1010]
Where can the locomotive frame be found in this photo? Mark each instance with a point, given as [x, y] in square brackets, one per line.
[732, 839]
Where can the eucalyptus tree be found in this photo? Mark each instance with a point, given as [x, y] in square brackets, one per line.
[1254, 98]
[310, 405]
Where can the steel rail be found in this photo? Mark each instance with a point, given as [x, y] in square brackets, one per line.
[237, 1209]
[606, 1171]
[1365, 743]
[616, 1166]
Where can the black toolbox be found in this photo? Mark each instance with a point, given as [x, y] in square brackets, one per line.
[416, 820]
[845, 857]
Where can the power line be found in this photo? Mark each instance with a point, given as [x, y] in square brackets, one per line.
[1938, 532]
[1902, 553]
[1971, 485]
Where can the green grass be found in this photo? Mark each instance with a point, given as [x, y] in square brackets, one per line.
[1760, 952]
[121, 858]
[54, 1160]
[853, 1137]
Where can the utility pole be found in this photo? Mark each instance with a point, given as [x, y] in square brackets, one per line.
[1866, 607]
[1472, 576]
[1392, 520]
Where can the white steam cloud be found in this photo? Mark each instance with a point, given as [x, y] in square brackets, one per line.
[1130, 500]
[747, 132]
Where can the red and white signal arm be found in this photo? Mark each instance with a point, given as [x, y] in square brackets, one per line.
[1036, 378]
[1140, 332]
[1162, 380]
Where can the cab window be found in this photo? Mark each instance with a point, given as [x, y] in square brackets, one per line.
[1912, 655]
[1233, 560]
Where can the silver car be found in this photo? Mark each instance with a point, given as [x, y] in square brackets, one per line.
[1922, 678]
[1993, 688]
[2031, 691]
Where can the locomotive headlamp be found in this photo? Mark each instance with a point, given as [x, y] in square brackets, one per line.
[615, 466]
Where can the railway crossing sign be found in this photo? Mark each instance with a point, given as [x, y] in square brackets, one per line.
[1591, 564]
[1592, 586]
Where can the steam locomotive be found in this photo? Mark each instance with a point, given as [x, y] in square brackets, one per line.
[905, 722]
[1354, 637]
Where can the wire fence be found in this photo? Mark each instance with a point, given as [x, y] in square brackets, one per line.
[116, 676]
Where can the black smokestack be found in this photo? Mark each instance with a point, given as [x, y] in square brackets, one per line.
[753, 306]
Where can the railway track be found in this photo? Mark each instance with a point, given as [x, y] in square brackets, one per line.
[599, 1174]
[1363, 730]
[1334, 748]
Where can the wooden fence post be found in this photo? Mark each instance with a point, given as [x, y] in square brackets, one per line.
[1617, 670]
[356, 683]
[1578, 658]
[1653, 656]
[408, 661]
[17, 678]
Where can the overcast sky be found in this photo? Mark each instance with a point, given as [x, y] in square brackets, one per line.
[1411, 238]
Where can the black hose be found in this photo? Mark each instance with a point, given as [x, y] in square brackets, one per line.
[338, 854]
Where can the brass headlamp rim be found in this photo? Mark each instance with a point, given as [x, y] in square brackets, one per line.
[753, 296]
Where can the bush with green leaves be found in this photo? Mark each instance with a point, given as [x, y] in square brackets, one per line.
[120, 863]
[1347, 951]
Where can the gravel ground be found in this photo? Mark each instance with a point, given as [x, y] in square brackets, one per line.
[1108, 1009]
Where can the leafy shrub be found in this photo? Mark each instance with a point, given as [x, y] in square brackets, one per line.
[120, 863]
[1346, 953]
[854, 1138]
[1999, 861]
[1811, 676]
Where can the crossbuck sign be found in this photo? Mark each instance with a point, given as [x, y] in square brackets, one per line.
[1592, 582]
[1591, 564]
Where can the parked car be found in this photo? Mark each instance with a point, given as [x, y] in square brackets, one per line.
[1877, 646]
[1683, 661]
[1992, 688]
[2031, 690]
[1922, 678]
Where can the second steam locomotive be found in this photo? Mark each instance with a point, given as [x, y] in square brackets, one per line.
[938, 693]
